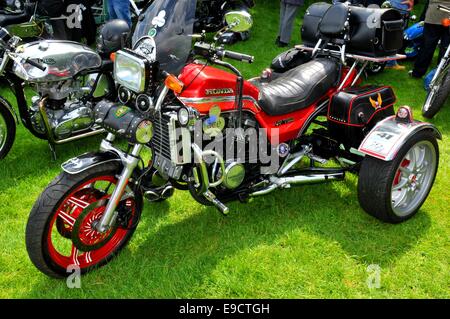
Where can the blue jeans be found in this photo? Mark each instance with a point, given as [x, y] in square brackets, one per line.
[119, 9]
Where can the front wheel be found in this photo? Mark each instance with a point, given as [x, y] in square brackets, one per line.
[7, 128]
[436, 98]
[394, 191]
[61, 231]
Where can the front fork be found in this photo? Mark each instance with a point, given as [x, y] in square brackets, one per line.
[441, 69]
[130, 162]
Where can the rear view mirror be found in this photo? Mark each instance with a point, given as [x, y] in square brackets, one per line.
[239, 21]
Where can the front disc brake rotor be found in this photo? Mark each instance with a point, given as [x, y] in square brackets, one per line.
[85, 236]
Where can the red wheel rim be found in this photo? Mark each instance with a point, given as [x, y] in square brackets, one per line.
[70, 208]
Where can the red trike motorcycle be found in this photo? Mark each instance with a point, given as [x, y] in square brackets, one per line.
[222, 138]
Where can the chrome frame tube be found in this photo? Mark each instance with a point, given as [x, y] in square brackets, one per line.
[316, 48]
[161, 98]
[287, 182]
[293, 159]
[359, 73]
[137, 12]
[130, 162]
[199, 154]
[347, 76]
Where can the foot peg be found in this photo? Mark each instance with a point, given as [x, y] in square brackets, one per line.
[219, 205]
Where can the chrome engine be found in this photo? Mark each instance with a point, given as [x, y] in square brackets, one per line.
[66, 112]
[60, 86]
[172, 147]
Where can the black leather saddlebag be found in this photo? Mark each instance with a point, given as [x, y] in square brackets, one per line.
[373, 32]
[354, 111]
[289, 60]
[118, 119]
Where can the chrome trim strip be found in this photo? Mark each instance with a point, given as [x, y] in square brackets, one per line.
[199, 100]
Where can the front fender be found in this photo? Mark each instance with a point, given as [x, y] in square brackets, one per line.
[86, 161]
[388, 136]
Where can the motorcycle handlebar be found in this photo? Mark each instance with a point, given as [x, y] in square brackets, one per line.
[209, 51]
[36, 64]
[236, 56]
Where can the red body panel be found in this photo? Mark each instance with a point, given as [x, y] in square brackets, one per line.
[207, 86]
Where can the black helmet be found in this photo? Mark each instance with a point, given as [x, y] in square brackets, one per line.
[113, 36]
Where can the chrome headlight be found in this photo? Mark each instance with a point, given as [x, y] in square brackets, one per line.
[132, 70]
[187, 116]
[183, 116]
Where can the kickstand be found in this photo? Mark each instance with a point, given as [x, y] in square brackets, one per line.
[52, 150]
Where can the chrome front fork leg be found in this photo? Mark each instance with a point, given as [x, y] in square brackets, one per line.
[440, 68]
[130, 162]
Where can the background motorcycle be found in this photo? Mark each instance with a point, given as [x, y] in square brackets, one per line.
[439, 87]
[91, 210]
[68, 78]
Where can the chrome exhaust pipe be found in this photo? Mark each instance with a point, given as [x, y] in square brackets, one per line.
[286, 182]
[151, 196]
[167, 192]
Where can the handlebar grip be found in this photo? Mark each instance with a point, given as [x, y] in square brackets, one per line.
[36, 64]
[238, 56]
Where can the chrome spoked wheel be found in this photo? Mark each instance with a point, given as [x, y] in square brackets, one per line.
[414, 178]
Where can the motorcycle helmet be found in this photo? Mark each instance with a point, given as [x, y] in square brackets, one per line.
[113, 36]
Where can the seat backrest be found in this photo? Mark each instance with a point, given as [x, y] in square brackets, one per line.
[335, 21]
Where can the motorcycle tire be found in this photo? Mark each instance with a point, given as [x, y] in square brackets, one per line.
[436, 99]
[68, 198]
[7, 128]
[394, 191]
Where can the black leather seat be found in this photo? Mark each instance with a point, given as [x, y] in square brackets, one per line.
[298, 88]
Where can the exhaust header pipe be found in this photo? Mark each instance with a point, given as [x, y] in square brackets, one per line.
[286, 182]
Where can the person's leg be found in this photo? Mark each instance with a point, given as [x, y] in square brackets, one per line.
[122, 9]
[282, 13]
[288, 23]
[111, 11]
[431, 36]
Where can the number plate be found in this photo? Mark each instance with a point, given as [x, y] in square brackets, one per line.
[388, 136]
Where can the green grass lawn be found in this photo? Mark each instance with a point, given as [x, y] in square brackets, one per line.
[308, 242]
